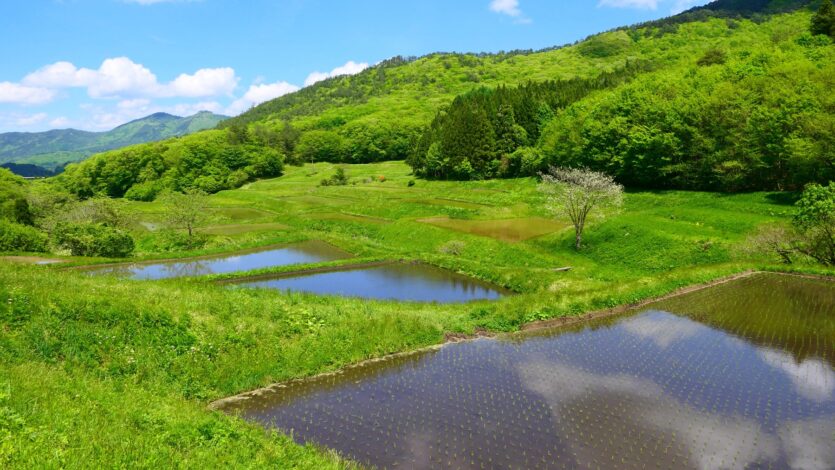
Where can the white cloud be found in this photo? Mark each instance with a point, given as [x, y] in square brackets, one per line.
[662, 329]
[811, 378]
[23, 94]
[506, 7]
[808, 443]
[350, 68]
[709, 440]
[258, 93]
[122, 77]
[26, 121]
[511, 9]
[59, 122]
[204, 82]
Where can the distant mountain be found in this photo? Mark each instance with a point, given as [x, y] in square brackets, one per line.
[28, 170]
[54, 148]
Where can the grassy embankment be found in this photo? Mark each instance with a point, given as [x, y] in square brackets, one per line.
[103, 371]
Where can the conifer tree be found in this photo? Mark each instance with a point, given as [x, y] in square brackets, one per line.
[823, 22]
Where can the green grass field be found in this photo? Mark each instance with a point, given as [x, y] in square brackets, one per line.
[98, 371]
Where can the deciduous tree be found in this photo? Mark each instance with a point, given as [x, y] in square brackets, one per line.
[187, 209]
[577, 193]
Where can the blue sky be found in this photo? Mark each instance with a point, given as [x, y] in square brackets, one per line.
[95, 64]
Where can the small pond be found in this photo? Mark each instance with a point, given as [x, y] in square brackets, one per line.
[397, 281]
[736, 376]
[301, 253]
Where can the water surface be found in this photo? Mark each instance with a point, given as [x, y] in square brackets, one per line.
[397, 281]
[737, 376]
[308, 252]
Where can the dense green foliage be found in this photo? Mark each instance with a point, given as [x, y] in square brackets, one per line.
[762, 120]
[18, 237]
[725, 52]
[56, 147]
[13, 203]
[742, 116]
[209, 161]
[93, 240]
[477, 135]
[823, 21]
[816, 221]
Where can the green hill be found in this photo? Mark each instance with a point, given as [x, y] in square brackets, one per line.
[736, 46]
[56, 147]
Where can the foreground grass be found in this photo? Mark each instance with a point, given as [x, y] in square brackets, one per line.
[98, 371]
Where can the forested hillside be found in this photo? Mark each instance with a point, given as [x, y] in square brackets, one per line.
[684, 102]
[750, 111]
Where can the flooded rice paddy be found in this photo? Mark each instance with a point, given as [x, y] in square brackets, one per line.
[346, 217]
[736, 376]
[510, 230]
[397, 281]
[308, 252]
[449, 203]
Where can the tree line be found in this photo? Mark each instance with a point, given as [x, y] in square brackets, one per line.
[209, 161]
[757, 119]
[484, 133]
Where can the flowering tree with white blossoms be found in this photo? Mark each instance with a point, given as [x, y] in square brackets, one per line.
[577, 193]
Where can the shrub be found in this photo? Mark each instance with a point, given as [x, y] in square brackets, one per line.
[338, 179]
[815, 220]
[146, 191]
[713, 57]
[93, 240]
[453, 248]
[172, 241]
[17, 237]
[410, 183]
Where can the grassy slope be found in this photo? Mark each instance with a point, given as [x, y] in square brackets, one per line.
[142, 359]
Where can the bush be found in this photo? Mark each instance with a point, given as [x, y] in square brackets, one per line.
[815, 220]
[173, 241]
[17, 237]
[146, 191]
[93, 240]
[452, 248]
[713, 57]
[338, 179]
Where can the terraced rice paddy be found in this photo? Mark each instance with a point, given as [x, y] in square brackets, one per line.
[736, 376]
[241, 213]
[396, 281]
[350, 218]
[509, 230]
[236, 229]
[301, 253]
[449, 203]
